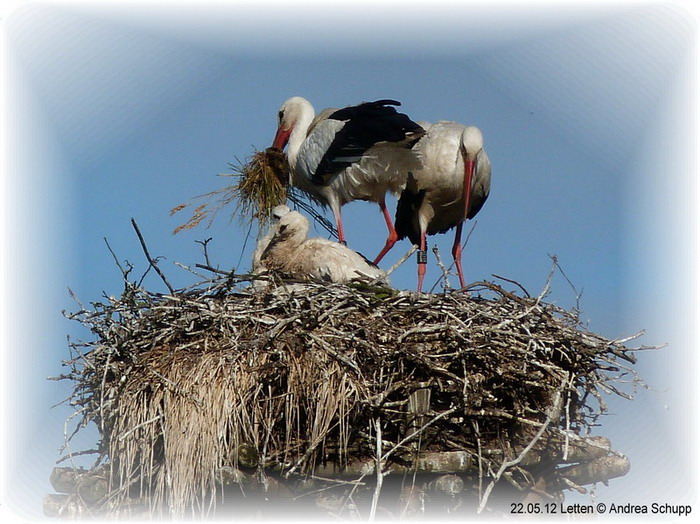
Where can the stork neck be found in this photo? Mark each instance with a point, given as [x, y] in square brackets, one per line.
[298, 134]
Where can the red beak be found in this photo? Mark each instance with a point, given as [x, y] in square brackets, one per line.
[281, 138]
[469, 166]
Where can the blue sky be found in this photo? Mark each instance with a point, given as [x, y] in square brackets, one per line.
[588, 115]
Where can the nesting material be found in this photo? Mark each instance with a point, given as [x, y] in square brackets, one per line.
[261, 184]
[201, 390]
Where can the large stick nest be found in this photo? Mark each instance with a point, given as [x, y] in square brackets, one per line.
[304, 379]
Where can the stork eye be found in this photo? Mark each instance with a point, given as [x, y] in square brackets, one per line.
[280, 115]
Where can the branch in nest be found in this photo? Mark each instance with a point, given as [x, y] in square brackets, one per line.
[151, 261]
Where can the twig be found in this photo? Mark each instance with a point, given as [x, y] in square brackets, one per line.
[402, 260]
[574, 486]
[578, 294]
[77, 300]
[205, 251]
[469, 235]
[124, 272]
[152, 262]
[213, 269]
[624, 340]
[568, 417]
[188, 268]
[78, 454]
[379, 467]
[445, 273]
[393, 268]
[512, 282]
[475, 425]
[539, 298]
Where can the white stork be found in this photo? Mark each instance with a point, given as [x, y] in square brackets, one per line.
[452, 186]
[289, 251]
[356, 153]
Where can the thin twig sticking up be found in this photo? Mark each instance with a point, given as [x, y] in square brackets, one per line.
[151, 261]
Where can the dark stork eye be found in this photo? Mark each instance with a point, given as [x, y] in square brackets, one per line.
[280, 115]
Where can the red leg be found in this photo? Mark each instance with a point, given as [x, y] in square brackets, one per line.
[339, 227]
[422, 255]
[457, 253]
[392, 238]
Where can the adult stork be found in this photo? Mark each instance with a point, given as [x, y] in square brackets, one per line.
[289, 251]
[356, 153]
[451, 187]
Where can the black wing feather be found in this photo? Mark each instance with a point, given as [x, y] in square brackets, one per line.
[405, 223]
[365, 125]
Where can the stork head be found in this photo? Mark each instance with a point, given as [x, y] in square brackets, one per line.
[471, 144]
[472, 141]
[279, 211]
[289, 233]
[293, 227]
[293, 111]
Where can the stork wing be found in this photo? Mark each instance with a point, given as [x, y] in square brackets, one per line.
[364, 126]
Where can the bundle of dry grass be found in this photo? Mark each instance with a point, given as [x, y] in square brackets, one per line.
[220, 385]
[261, 185]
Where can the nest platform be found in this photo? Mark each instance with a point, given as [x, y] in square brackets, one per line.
[351, 401]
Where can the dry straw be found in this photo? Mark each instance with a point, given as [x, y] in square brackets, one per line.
[261, 184]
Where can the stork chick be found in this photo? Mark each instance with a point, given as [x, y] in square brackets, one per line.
[277, 213]
[290, 252]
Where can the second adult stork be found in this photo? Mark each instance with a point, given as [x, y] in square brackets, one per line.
[451, 187]
[356, 153]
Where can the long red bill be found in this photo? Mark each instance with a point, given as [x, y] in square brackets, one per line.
[281, 138]
[469, 166]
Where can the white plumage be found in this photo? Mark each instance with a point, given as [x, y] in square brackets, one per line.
[277, 213]
[356, 153]
[452, 186]
[290, 252]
